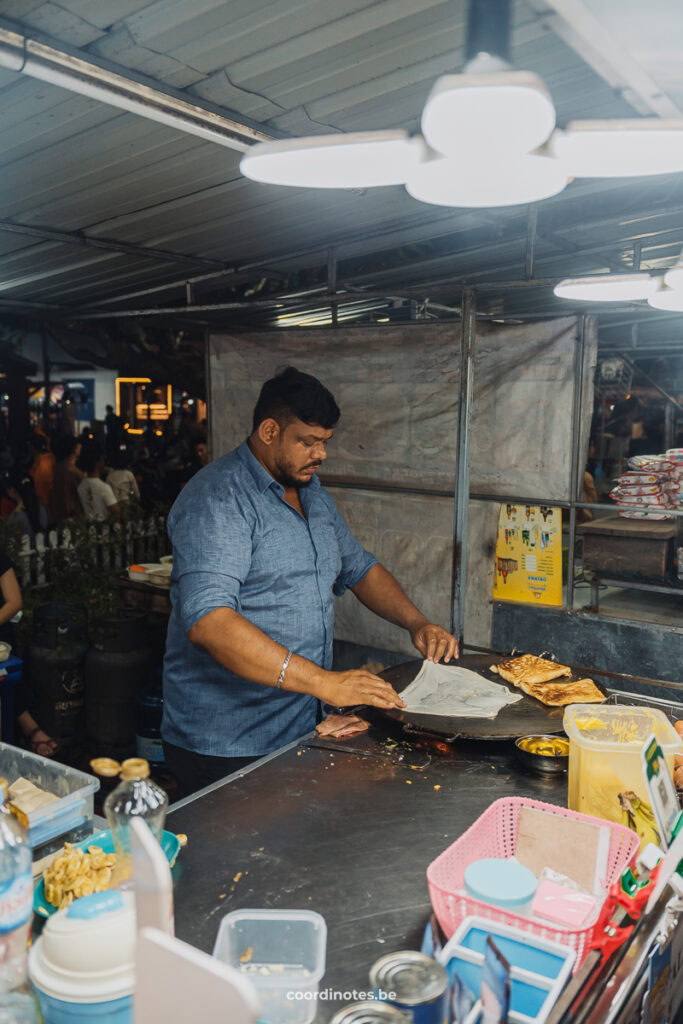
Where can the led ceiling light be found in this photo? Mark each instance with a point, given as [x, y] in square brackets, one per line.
[356, 160]
[674, 277]
[505, 111]
[607, 287]
[493, 121]
[620, 149]
[667, 298]
[518, 179]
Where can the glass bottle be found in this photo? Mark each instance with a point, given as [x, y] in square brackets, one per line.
[136, 794]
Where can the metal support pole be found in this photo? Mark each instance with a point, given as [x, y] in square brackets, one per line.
[669, 425]
[46, 381]
[462, 470]
[332, 281]
[531, 234]
[488, 29]
[189, 293]
[574, 492]
[637, 250]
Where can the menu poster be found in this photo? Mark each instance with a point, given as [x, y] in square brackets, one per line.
[528, 565]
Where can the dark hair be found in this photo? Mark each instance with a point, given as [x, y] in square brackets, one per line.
[39, 443]
[23, 483]
[64, 446]
[90, 456]
[121, 458]
[292, 394]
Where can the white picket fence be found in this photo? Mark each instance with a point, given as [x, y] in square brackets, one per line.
[112, 546]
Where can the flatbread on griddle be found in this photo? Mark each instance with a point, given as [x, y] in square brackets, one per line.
[528, 668]
[583, 691]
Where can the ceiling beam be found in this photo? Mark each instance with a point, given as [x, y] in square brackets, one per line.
[579, 28]
[47, 234]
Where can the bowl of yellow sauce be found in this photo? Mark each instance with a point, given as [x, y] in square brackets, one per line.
[546, 755]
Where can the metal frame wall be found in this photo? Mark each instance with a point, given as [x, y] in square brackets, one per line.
[462, 495]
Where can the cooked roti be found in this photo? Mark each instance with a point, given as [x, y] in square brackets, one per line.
[583, 691]
[528, 668]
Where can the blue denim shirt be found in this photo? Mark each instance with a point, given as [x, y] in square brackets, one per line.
[238, 544]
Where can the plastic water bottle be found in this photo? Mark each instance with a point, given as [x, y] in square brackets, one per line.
[16, 899]
[136, 795]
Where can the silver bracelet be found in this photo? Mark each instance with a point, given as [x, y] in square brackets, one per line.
[285, 663]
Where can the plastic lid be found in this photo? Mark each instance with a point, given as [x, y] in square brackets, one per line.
[105, 766]
[619, 728]
[134, 768]
[505, 883]
[86, 953]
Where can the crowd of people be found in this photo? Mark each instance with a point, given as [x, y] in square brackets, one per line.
[101, 474]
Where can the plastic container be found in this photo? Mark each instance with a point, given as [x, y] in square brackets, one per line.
[540, 968]
[605, 762]
[504, 883]
[283, 954]
[83, 965]
[69, 818]
[494, 834]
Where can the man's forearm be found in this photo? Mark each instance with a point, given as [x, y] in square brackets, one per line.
[382, 594]
[238, 645]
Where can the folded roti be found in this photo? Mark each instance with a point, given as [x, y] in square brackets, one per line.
[583, 691]
[528, 668]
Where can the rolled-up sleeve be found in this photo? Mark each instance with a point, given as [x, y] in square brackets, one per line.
[212, 544]
[356, 561]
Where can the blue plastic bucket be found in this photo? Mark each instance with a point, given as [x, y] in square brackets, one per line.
[56, 1011]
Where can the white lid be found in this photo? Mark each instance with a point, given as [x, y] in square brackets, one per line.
[86, 953]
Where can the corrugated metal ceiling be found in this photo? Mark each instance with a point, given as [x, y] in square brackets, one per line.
[72, 163]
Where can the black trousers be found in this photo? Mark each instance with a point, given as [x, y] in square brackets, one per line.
[194, 771]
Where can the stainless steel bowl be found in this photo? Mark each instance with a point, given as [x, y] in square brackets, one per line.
[542, 764]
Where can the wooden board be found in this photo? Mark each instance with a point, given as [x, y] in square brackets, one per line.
[565, 845]
[613, 526]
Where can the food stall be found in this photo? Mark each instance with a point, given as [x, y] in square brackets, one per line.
[359, 830]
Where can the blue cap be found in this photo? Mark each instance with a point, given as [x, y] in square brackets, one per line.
[505, 883]
[88, 907]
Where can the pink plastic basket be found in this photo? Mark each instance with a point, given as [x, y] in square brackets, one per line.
[494, 834]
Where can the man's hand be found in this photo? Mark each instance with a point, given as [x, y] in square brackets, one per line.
[357, 686]
[341, 726]
[434, 643]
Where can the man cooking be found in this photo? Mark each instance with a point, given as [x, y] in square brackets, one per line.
[259, 552]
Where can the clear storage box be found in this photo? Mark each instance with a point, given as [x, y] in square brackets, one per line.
[605, 761]
[67, 819]
[282, 952]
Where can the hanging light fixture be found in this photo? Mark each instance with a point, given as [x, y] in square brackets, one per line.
[674, 277]
[667, 298]
[359, 160]
[490, 118]
[521, 179]
[487, 113]
[620, 149]
[607, 288]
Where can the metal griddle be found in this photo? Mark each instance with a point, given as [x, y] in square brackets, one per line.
[525, 717]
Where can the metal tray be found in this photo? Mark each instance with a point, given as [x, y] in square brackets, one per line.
[528, 716]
